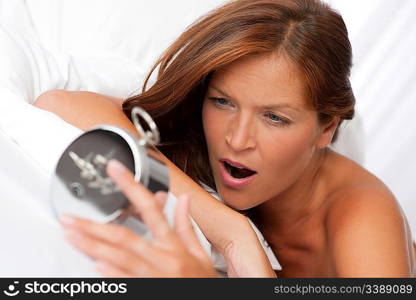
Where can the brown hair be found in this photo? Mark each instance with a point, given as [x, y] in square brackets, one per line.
[310, 33]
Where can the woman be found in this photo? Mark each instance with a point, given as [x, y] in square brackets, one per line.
[248, 100]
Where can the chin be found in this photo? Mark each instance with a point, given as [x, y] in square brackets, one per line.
[235, 201]
[238, 207]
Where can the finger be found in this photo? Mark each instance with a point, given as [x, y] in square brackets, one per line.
[142, 199]
[109, 270]
[185, 229]
[160, 198]
[110, 233]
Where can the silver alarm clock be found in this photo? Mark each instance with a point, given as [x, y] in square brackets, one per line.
[80, 185]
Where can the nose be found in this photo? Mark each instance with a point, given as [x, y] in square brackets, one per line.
[240, 135]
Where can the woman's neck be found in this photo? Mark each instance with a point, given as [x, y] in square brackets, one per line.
[298, 202]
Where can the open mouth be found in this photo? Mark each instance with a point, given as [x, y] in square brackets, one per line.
[237, 171]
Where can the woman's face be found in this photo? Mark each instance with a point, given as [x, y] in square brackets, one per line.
[260, 129]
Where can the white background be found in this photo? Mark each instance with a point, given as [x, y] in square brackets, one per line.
[383, 36]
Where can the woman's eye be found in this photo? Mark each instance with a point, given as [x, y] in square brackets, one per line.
[276, 119]
[220, 101]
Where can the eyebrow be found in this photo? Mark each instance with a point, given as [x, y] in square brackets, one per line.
[271, 107]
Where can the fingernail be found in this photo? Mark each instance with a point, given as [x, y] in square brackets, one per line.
[116, 166]
[67, 220]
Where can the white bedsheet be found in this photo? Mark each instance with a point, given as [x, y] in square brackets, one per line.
[33, 243]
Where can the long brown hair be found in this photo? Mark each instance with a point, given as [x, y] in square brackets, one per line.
[309, 32]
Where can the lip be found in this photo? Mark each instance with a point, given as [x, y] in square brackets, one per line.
[230, 181]
[235, 164]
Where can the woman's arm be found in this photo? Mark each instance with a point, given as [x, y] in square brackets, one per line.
[228, 231]
[368, 235]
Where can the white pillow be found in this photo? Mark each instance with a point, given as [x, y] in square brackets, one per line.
[29, 69]
[101, 46]
[132, 29]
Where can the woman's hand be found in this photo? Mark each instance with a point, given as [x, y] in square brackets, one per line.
[120, 252]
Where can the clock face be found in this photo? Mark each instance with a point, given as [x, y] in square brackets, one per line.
[81, 186]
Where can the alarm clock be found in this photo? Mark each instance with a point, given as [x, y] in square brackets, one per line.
[80, 185]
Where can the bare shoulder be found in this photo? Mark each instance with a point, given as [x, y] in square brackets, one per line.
[55, 97]
[368, 235]
[84, 109]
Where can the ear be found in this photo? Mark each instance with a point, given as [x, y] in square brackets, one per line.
[327, 132]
